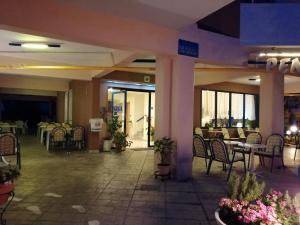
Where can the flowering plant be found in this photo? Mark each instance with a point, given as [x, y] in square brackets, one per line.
[273, 208]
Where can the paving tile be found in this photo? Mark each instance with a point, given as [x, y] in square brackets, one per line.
[119, 189]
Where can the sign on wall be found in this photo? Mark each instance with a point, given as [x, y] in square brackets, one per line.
[188, 48]
[284, 65]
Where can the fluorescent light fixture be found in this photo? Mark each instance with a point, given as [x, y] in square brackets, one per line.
[288, 132]
[257, 79]
[280, 54]
[34, 45]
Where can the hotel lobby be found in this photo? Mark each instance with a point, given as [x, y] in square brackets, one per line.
[98, 97]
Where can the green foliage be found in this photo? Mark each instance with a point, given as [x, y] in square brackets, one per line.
[245, 188]
[113, 125]
[164, 147]
[120, 141]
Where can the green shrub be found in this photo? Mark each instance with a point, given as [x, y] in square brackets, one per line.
[245, 188]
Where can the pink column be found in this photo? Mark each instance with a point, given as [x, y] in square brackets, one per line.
[174, 109]
[162, 97]
[271, 105]
[182, 114]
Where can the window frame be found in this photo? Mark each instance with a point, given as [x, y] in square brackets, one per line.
[256, 96]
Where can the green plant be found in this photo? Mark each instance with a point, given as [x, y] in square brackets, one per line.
[245, 188]
[164, 147]
[120, 141]
[113, 125]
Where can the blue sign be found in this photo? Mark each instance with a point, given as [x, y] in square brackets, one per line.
[188, 48]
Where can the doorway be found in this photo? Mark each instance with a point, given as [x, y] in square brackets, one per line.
[135, 109]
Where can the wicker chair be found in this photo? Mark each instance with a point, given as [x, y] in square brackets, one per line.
[198, 131]
[274, 149]
[57, 138]
[6, 196]
[226, 135]
[252, 138]
[199, 148]
[219, 153]
[9, 146]
[77, 137]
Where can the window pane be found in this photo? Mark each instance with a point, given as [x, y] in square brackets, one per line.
[250, 116]
[222, 109]
[208, 108]
[237, 103]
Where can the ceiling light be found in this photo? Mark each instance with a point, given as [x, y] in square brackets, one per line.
[257, 79]
[34, 45]
[280, 54]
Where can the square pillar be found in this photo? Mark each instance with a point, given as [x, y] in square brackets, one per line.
[174, 109]
[271, 104]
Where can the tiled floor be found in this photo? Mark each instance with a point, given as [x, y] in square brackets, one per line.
[109, 188]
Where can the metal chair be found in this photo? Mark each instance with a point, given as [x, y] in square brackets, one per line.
[198, 131]
[297, 146]
[274, 149]
[226, 135]
[219, 153]
[6, 196]
[9, 146]
[77, 137]
[57, 138]
[200, 149]
[252, 138]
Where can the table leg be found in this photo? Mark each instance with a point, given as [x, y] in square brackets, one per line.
[251, 159]
[42, 136]
[48, 141]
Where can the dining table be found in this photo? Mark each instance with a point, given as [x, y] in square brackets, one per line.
[252, 148]
[12, 127]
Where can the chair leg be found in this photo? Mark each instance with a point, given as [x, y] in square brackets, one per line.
[282, 162]
[230, 168]
[295, 154]
[272, 164]
[209, 165]
[206, 163]
[249, 157]
[245, 168]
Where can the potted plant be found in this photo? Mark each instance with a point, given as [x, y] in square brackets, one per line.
[164, 147]
[120, 141]
[112, 126]
[246, 203]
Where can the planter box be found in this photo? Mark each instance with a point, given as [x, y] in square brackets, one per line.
[218, 219]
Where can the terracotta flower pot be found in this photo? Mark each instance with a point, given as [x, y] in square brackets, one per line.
[164, 169]
[218, 219]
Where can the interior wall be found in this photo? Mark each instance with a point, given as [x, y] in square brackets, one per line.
[33, 83]
[129, 76]
[60, 107]
[224, 86]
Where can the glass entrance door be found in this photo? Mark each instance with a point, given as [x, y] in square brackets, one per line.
[135, 110]
[119, 107]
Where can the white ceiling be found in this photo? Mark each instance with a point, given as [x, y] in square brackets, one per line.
[171, 13]
[245, 80]
[69, 53]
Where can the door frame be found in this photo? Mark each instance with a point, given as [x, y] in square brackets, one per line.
[125, 90]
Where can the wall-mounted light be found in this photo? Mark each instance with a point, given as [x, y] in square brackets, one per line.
[34, 45]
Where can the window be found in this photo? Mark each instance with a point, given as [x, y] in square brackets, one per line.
[237, 110]
[222, 109]
[225, 109]
[208, 108]
[250, 118]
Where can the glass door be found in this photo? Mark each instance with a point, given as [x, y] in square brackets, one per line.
[119, 107]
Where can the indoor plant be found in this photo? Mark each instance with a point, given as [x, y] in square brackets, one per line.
[164, 147]
[112, 126]
[247, 204]
[120, 141]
